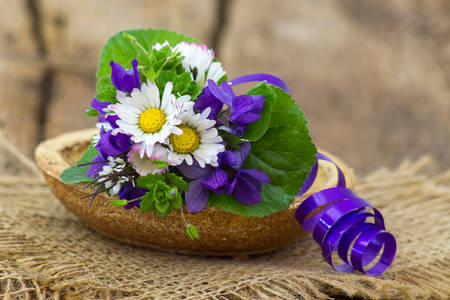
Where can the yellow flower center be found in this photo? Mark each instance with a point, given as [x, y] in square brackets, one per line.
[187, 142]
[152, 120]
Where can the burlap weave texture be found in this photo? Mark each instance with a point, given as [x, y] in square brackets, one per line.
[47, 253]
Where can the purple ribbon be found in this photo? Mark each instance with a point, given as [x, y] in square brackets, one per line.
[276, 81]
[339, 221]
[338, 218]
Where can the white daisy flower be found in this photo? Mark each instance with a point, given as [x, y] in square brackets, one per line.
[199, 140]
[145, 165]
[198, 60]
[149, 119]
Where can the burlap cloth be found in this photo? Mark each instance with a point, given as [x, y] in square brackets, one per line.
[46, 252]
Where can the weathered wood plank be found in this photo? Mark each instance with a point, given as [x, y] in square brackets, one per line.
[76, 30]
[16, 39]
[70, 95]
[19, 102]
[20, 77]
[371, 77]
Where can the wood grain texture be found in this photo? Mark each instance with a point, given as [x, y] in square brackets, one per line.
[71, 94]
[377, 73]
[77, 30]
[16, 36]
[19, 103]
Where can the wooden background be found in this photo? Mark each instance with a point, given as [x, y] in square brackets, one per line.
[373, 77]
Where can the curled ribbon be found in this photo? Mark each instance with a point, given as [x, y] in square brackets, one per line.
[338, 218]
[339, 221]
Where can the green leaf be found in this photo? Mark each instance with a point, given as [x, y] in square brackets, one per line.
[76, 174]
[92, 112]
[257, 129]
[285, 152]
[149, 181]
[182, 84]
[122, 50]
[163, 195]
[177, 201]
[129, 37]
[147, 202]
[273, 199]
[161, 164]
[177, 181]
[107, 94]
[118, 203]
[164, 77]
[222, 79]
[232, 141]
[192, 231]
[162, 206]
[195, 91]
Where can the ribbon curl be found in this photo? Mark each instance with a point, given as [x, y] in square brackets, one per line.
[338, 218]
[339, 221]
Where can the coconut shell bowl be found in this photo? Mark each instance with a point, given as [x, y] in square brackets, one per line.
[221, 233]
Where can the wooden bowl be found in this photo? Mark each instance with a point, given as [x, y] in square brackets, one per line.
[221, 233]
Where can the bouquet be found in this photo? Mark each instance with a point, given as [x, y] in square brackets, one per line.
[173, 132]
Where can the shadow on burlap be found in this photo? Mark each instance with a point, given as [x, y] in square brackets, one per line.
[45, 252]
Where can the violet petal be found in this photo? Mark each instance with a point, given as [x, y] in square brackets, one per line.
[257, 175]
[94, 169]
[219, 94]
[128, 192]
[137, 77]
[207, 99]
[125, 80]
[228, 158]
[194, 171]
[246, 109]
[241, 155]
[111, 145]
[112, 119]
[246, 192]
[215, 180]
[196, 197]
[99, 105]
[227, 90]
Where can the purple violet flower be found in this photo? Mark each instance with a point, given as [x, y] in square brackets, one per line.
[125, 80]
[94, 169]
[108, 145]
[197, 196]
[207, 99]
[130, 192]
[229, 177]
[100, 107]
[246, 184]
[112, 145]
[245, 109]
[103, 117]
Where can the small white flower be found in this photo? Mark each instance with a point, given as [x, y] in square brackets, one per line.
[145, 165]
[198, 60]
[95, 139]
[115, 165]
[199, 140]
[159, 46]
[149, 119]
